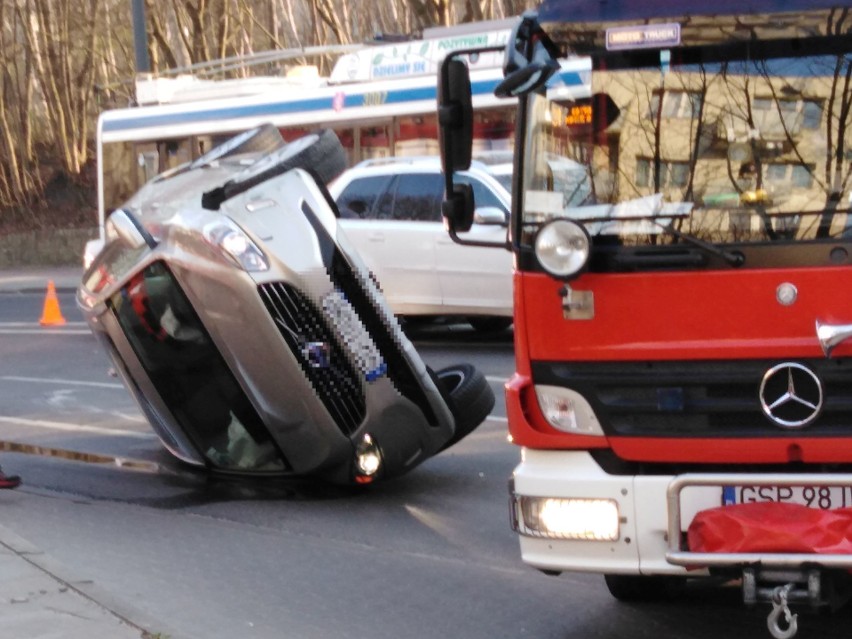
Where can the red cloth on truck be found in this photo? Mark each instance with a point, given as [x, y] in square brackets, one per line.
[771, 527]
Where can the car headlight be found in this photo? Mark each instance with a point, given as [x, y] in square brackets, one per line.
[567, 410]
[581, 519]
[562, 247]
[368, 460]
[234, 242]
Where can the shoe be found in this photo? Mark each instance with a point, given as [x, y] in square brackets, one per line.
[9, 481]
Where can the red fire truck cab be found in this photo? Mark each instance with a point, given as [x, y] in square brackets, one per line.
[682, 234]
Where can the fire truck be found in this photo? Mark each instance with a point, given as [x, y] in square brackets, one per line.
[683, 390]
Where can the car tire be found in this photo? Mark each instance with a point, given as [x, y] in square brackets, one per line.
[468, 396]
[262, 139]
[638, 588]
[319, 153]
[488, 323]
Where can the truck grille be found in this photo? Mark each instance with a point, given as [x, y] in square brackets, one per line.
[318, 352]
[696, 399]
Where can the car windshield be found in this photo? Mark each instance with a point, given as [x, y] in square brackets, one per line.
[731, 145]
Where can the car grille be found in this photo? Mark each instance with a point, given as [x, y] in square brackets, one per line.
[697, 398]
[318, 352]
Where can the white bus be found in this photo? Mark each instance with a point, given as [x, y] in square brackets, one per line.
[380, 100]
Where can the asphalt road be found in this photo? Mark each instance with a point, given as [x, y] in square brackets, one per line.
[428, 555]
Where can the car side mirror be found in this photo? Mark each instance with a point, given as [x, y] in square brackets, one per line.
[490, 215]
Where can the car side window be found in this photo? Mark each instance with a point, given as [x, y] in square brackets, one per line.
[418, 197]
[358, 199]
[482, 195]
[384, 206]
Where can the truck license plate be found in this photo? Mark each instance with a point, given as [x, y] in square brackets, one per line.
[822, 497]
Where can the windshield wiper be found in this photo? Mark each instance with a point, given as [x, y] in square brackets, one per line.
[734, 258]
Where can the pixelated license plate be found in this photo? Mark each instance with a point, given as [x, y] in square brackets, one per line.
[343, 317]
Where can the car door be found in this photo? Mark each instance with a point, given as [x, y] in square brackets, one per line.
[396, 237]
[476, 279]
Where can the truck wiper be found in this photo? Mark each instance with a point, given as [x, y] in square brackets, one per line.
[734, 258]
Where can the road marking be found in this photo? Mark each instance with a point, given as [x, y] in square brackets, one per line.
[32, 324]
[80, 428]
[64, 382]
[496, 380]
[34, 328]
[43, 331]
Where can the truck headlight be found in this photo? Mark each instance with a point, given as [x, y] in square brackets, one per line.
[567, 410]
[562, 247]
[238, 246]
[581, 519]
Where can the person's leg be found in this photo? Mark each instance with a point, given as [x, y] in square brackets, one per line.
[9, 481]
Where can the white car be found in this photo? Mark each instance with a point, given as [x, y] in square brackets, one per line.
[391, 212]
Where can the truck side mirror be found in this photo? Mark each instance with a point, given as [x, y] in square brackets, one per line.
[455, 116]
[530, 58]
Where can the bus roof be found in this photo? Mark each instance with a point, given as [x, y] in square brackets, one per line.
[295, 107]
[619, 10]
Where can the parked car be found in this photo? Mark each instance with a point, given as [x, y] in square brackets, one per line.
[252, 335]
[391, 212]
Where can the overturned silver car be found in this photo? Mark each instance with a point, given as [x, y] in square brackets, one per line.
[250, 333]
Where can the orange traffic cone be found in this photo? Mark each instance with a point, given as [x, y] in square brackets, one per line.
[51, 315]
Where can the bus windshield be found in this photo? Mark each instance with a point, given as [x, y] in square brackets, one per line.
[741, 143]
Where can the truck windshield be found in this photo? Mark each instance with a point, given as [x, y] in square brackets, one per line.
[741, 144]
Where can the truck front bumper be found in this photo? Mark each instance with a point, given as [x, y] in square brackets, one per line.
[632, 524]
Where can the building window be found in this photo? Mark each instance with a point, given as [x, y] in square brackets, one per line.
[794, 113]
[677, 104]
[672, 174]
[797, 175]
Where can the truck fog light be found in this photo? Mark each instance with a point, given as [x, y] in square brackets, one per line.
[562, 247]
[368, 459]
[234, 242]
[573, 518]
[567, 410]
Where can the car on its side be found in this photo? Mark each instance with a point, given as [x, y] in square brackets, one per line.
[391, 212]
[251, 334]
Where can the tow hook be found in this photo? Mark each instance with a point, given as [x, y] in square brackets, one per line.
[802, 586]
[779, 609]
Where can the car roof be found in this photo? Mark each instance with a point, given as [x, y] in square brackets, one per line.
[410, 164]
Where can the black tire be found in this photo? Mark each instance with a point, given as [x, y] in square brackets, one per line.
[320, 153]
[468, 395]
[637, 588]
[489, 323]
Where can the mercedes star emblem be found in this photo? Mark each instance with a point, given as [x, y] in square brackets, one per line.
[791, 395]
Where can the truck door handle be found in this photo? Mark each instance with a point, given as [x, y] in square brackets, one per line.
[830, 335]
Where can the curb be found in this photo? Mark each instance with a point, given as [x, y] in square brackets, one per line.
[133, 617]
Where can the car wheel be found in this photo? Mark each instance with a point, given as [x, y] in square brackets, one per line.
[262, 139]
[489, 324]
[635, 588]
[468, 395]
[320, 153]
